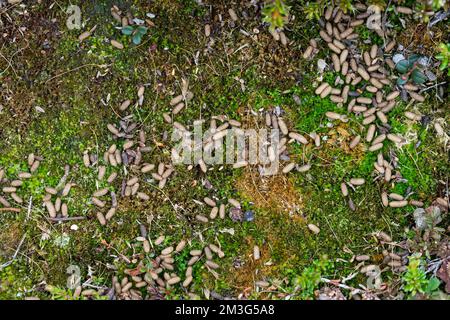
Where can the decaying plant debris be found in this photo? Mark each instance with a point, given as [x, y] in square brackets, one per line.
[90, 194]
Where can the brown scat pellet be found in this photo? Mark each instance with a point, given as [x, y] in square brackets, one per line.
[369, 120]
[177, 109]
[167, 118]
[313, 228]
[256, 253]
[117, 44]
[195, 252]
[97, 202]
[370, 132]
[413, 116]
[379, 138]
[112, 177]
[30, 159]
[50, 209]
[390, 46]
[64, 210]
[214, 212]
[318, 90]
[159, 240]
[283, 127]
[404, 10]
[336, 62]
[35, 166]
[304, 168]
[100, 193]
[211, 264]
[398, 204]
[375, 147]
[146, 246]
[132, 181]
[233, 15]
[193, 260]
[396, 196]
[357, 181]
[187, 281]
[373, 51]
[384, 199]
[325, 92]
[143, 196]
[334, 48]
[162, 183]
[387, 174]
[363, 73]
[58, 204]
[328, 13]
[4, 202]
[111, 212]
[125, 104]
[16, 198]
[308, 52]
[394, 138]
[416, 96]
[416, 203]
[147, 168]
[180, 246]
[24, 175]
[127, 145]
[289, 167]
[9, 189]
[210, 202]
[364, 100]
[325, 36]
[86, 160]
[201, 218]
[355, 142]
[222, 211]
[392, 95]
[344, 189]
[367, 59]
[362, 258]
[167, 251]
[16, 183]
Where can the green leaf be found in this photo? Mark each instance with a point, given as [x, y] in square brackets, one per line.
[413, 58]
[401, 81]
[433, 285]
[127, 30]
[403, 66]
[142, 30]
[418, 77]
[137, 38]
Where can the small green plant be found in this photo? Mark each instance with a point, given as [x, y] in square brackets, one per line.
[415, 279]
[275, 13]
[310, 278]
[136, 33]
[410, 69]
[444, 56]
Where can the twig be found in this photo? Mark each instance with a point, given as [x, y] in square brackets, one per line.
[77, 68]
[66, 219]
[15, 253]
[340, 285]
[10, 209]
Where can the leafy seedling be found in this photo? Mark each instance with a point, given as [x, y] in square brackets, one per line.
[410, 70]
[136, 33]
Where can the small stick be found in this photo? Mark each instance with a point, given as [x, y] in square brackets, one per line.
[66, 219]
[10, 209]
